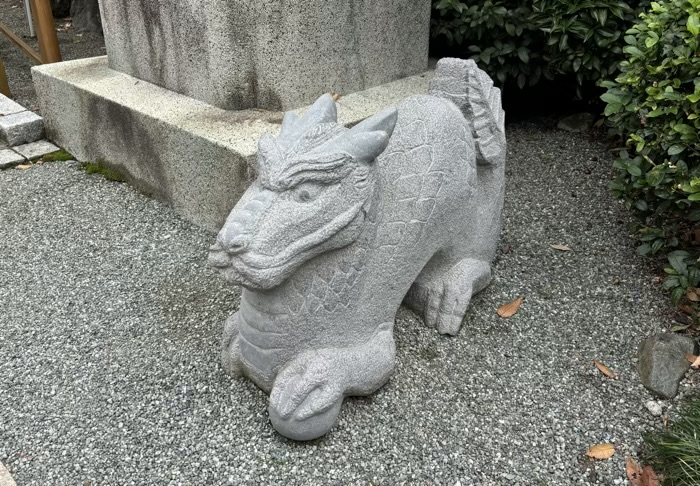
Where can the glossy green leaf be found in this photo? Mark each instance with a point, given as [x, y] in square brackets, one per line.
[693, 24]
[676, 149]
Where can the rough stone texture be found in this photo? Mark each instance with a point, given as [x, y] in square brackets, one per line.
[662, 362]
[198, 158]
[35, 150]
[237, 54]
[22, 127]
[5, 478]
[580, 122]
[86, 16]
[10, 158]
[342, 224]
[8, 106]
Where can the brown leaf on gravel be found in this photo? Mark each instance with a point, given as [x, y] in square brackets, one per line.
[604, 369]
[24, 166]
[634, 472]
[601, 451]
[649, 477]
[694, 360]
[560, 247]
[509, 310]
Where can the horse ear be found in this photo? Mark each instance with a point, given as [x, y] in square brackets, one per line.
[384, 121]
[268, 155]
[364, 147]
[290, 118]
[368, 139]
[322, 111]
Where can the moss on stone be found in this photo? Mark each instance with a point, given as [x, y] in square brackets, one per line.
[59, 156]
[102, 168]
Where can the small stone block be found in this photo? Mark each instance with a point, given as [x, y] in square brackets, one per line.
[10, 158]
[35, 150]
[21, 128]
[9, 107]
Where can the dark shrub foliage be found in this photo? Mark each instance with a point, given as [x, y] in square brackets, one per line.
[653, 103]
[521, 42]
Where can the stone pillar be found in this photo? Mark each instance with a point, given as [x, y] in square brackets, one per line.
[270, 54]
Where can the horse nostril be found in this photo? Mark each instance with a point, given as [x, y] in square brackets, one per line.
[237, 245]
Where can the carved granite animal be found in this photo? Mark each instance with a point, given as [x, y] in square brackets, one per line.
[342, 225]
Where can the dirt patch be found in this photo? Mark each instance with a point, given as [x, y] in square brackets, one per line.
[18, 65]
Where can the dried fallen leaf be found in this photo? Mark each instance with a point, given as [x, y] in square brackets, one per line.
[694, 360]
[686, 309]
[559, 247]
[336, 96]
[601, 451]
[680, 328]
[509, 310]
[24, 166]
[649, 477]
[604, 369]
[634, 472]
[692, 295]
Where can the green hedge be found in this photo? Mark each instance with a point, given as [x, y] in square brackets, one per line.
[653, 103]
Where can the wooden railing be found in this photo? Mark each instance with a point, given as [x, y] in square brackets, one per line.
[45, 36]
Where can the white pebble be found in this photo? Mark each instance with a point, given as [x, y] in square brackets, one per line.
[655, 408]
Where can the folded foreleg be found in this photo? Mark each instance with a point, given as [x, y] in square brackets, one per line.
[309, 391]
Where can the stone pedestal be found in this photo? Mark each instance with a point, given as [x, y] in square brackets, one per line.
[196, 157]
[188, 87]
[270, 54]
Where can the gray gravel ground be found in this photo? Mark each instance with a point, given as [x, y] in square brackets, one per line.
[109, 338]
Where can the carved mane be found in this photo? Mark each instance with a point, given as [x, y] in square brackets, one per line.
[316, 148]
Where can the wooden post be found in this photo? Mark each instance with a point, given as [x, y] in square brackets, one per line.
[45, 31]
[4, 87]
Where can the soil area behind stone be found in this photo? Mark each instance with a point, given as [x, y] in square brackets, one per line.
[18, 65]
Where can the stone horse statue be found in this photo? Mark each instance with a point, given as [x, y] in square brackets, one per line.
[342, 225]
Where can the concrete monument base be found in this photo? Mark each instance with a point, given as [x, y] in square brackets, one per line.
[194, 156]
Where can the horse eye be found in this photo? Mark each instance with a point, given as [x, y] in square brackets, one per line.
[306, 192]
